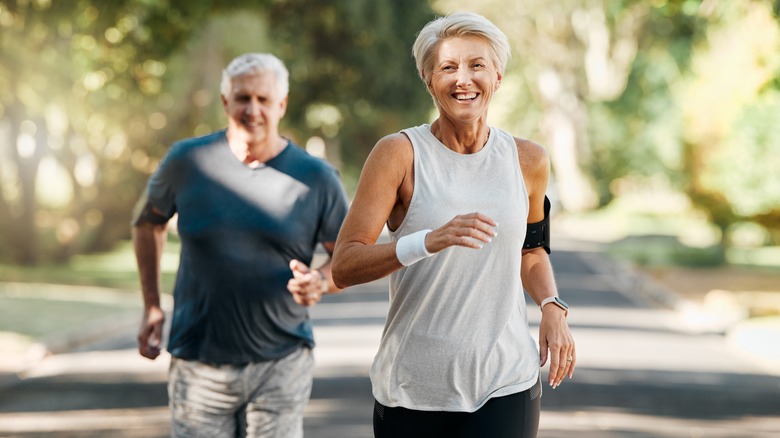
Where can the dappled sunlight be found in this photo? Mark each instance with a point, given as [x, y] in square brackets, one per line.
[716, 314]
[758, 338]
[617, 423]
[93, 364]
[659, 117]
[147, 422]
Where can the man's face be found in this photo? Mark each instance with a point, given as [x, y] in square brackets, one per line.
[254, 107]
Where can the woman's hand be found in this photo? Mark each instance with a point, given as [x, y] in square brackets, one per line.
[555, 338]
[470, 230]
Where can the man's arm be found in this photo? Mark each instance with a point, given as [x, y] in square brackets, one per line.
[149, 242]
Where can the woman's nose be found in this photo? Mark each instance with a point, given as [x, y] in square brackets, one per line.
[463, 76]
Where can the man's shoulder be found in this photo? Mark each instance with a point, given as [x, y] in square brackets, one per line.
[188, 144]
[301, 157]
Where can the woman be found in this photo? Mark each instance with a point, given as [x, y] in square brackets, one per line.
[466, 209]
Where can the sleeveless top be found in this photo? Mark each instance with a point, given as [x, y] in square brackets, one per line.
[456, 333]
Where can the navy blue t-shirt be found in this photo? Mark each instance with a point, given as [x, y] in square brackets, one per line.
[239, 229]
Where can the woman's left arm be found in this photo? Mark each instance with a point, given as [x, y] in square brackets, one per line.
[555, 339]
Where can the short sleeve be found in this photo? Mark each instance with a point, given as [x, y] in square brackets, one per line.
[158, 202]
[334, 208]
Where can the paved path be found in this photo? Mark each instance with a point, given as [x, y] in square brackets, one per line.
[643, 371]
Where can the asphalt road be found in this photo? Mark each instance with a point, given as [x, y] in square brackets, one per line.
[643, 371]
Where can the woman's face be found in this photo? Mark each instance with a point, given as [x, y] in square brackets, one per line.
[463, 78]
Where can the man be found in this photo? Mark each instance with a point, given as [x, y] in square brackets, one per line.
[251, 209]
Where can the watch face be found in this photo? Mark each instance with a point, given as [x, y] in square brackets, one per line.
[561, 303]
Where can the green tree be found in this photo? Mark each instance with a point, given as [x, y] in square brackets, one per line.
[79, 79]
[353, 72]
[730, 104]
[92, 94]
[675, 90]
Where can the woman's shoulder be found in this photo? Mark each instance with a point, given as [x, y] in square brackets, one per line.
[525, 148]
[533, 156]
[529, 148]
[394, 145]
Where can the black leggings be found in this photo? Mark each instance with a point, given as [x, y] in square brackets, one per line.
[512, 416]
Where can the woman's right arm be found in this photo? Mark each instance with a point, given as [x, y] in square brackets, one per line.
[357, 258]
[384, 191]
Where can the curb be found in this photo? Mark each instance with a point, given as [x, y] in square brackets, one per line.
[70, 341]
[643, 290]
[636, 286]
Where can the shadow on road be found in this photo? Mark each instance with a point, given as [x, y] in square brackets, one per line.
[639, 374]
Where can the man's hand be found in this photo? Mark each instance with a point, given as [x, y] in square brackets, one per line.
[306, 284]
[150, 334]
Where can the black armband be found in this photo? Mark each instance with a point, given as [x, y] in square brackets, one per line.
[538, 234]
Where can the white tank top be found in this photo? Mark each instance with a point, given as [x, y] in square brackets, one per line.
[456, 333]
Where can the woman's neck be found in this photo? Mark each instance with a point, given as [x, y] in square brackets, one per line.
[461, 138]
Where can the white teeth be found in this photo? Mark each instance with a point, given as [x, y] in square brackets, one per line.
[466, 96]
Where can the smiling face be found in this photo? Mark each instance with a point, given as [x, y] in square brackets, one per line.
[254, 107]
[463, 78]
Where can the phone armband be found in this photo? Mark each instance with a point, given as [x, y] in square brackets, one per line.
[538, 234]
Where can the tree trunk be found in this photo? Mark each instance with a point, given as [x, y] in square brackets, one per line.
[565, 127]
[25, 235]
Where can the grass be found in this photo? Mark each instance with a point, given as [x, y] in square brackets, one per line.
[54, 316]
[38, 302]
[116, 269]
[661, 234]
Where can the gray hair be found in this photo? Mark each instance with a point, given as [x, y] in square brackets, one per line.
[459, 24]
[252, 63]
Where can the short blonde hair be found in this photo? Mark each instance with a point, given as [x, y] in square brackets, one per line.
[252, 63]
[459, 24]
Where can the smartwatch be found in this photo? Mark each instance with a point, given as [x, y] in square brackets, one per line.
[557, 301]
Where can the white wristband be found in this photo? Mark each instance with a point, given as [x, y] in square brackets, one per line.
[411, 249]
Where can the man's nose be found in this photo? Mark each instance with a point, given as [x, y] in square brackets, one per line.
[253, 107]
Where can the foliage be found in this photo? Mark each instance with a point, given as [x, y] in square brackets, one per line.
[80, 86]
[682, 90]
[622, 92]
[353, 74]
[660, 251]
[730, 97]
[637, 135]
[92, 93]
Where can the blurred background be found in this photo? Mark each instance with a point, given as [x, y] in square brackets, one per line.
[660, 116]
